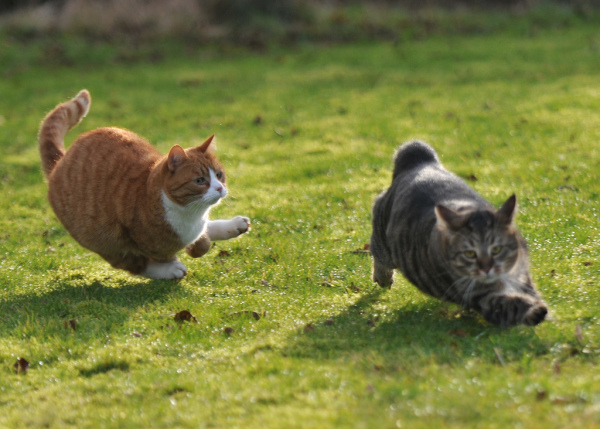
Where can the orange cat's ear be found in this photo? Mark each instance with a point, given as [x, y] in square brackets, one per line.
[210, 145]
[176, 157]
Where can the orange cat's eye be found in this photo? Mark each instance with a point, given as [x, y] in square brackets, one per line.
[496, 250]
[470, 254]
[200, 181]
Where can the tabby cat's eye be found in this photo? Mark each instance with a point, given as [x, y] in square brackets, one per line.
[219, 175]
[200, 181]
[470, 254]
[496, 250]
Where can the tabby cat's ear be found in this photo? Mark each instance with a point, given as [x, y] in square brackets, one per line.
[209, 146]
[448, 218]
[506, 213]
[176, 157]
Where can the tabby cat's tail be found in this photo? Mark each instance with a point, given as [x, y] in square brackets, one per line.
[413, 154]
[56, 125]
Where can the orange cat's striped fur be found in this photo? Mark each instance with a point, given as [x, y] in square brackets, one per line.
[119, 197]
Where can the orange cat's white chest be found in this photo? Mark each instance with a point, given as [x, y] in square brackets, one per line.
[190, 221]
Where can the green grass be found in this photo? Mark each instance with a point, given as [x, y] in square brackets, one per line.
[306, 136]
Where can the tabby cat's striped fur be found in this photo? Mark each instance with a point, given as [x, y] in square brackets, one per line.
[451, 243]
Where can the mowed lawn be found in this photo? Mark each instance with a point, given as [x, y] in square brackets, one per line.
[289, 330]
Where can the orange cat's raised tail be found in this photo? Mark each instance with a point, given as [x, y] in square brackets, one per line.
[55, 126]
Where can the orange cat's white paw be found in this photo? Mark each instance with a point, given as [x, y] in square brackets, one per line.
[227, 229]
[241, 224]
[173, 270]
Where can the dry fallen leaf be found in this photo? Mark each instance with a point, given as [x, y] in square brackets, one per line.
[267, 284]
[309, 328]
[458, 333]
[578, 334]
[21, 366]
[70, 324]
[366, 249]
[228, 330]
[254, 314]
[185, 316]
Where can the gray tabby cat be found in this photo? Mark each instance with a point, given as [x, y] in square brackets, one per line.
[451, 243]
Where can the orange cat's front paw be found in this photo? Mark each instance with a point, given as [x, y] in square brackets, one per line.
[241, 224]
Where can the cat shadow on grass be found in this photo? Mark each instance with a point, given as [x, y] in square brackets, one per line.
[77, 300]
[432, 329]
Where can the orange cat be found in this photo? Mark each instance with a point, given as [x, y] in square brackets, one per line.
[119, 197]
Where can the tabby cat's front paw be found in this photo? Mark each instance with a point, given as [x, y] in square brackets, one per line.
[515, 310]
[383, 276]
[535, 315]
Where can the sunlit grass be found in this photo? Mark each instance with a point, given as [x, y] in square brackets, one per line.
[307, 136]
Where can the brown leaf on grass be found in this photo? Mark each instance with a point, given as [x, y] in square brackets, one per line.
[228, 330]
[366, 249]
[267, 284]
[557, 367]
[70, 324]
[329, 322]
[309, 328]
[137, 334]
[578, 334]
[185, 316]
[224, 253]
[254, 314]
[563, 400]
[541, 395]
[458, 333]
[587, 263]
[189, 82]
[21, 366]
